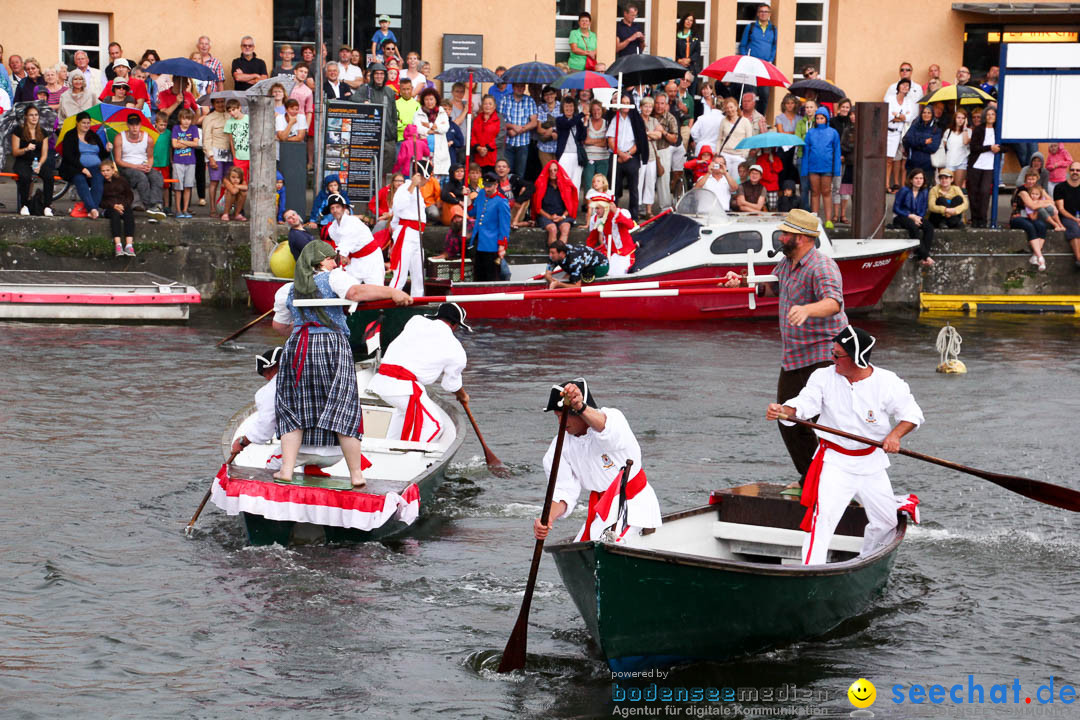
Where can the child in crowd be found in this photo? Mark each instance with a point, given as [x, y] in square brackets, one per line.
[744, 171]
[116, 204]
[216, 146]
[163, 154]
[185, 138]
[381, 35]
[238, 130]
[236, 188]
[476, 182]
[279, 189]
[1058, 161]
[320, 210]
[412, 149]
[452, 241]
[788, 200]
[699, 166]
[1043, 208]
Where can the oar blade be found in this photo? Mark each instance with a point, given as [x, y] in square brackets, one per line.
[496, 468]
[514, 655]
[1056, 495]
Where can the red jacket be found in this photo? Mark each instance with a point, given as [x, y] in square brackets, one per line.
[567, 191]
[484, 132]
[770, 171]
[383, 200]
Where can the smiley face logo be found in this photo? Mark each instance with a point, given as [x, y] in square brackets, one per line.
[862, 693]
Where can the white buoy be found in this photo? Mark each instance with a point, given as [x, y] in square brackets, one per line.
[948, 347]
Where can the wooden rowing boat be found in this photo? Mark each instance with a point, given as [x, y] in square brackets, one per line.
[318, 508]
[720, 581]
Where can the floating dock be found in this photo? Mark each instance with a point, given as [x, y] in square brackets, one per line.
[94, 296]
[972, 304]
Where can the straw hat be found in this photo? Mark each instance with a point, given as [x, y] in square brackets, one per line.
[801, 222]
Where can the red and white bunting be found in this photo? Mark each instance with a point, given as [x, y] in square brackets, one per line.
[318, 506]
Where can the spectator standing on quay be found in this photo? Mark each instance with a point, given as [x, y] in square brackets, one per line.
[647, 177]
[379, 93]
[485, 134]
[911, 210]
[628, 39]
[30, 148]
[238, 128]
[570, 143]
[117, 204]
[934, 73]
[407, 107]
[821, 162]
[286, 66]
[412, 72]
[185, 138]
[203, 45]
[665, 151]
[216, 146]
[27, 89]
[947, 203]
[5, 79]
[136, 87]
[596, 148]
[247, 69]
[1058, 161]
[687, 44]
[500, 89]
[914, 93]
[519, 113]
[957, 149]
[115, 53]
[749, 112]
[582, 45]
[922, 140]
[631, 152]
[980, 180]
[94, 78]
[546, 135]
[432, 121]
[1067, 201]
[77, 98]
[901, 113]
[333, 87]
[733, 130]
[990, 84]
[759, 40]
[352, 75]
[133, 151]
[381, 35]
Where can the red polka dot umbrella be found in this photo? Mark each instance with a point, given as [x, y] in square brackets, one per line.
[746, 70]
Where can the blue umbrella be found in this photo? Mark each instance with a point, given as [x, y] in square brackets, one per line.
[461, 74]
[769, 139]
[182, 67]
[584, 79]
[532, 73]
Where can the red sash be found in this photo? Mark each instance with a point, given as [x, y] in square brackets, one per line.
[415, 411]
[403, 225]
[813, 477]
[600, 503]
[367, 249]
[301, 350]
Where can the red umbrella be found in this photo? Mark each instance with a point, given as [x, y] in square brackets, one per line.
[746, 70]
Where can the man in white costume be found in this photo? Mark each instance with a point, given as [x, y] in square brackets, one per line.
[598, 443]
[261, 426]
[361, 254]
[425, 350]
[407, 258]
[859, 398]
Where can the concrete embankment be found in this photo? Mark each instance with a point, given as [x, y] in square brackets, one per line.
[214, 255]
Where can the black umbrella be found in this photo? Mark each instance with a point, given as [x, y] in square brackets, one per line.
[645, 69]
[461, 74]
[826, 91]
[532, 73]
[13, 119]
[182, 67]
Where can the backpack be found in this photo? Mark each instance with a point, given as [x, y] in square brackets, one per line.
[36, 203]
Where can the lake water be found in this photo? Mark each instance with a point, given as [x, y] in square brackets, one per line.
[110, 436]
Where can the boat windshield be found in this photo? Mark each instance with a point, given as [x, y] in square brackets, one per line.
[702, 205]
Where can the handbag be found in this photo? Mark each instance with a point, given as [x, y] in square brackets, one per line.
[590, 62]
[940, 156]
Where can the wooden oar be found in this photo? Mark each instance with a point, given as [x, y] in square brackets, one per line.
[191, 523]
[494, 464]
[514, 655]
[1044, 492]
[244, 329]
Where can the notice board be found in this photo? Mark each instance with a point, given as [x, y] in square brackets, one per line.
[353, 147]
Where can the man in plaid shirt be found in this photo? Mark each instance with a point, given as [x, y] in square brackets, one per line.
[518, 113]
[811, 314]
[211, 62]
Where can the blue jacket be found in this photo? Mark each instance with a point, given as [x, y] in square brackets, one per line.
[493, 222]
[908, 203]
[281, 199]
[915, 141]
[758, 43]
[319, 211]
[821, 154]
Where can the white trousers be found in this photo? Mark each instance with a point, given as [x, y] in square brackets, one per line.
[437, 425]
[618, 265]
[835, 490]
[412, 265]
[647, 183]
[663, 182]
[569, 163]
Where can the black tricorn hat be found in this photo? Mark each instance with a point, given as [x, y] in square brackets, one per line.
[858, 344]
[268, 360]
[555, 400]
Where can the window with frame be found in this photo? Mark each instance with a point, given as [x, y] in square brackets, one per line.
[745, 13]
[643, 22]
[88, 32]
[566, 20]
[736, 243]
[811, 36]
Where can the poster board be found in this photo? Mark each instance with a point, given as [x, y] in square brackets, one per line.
[1039, 92]
[353, 148]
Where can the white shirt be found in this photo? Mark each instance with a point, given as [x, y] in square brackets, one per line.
[591, 461]
[909, 107]
[956, 152]
[706, 128]
[281, 122]
[261, 427]
[862, 408]
[985, 161]
[721, 189]
[95, 79]
[350, 234]
[281, 305]
[915, 92]
[626, 133]
[350, 72]
[405, 205]
[428, 348]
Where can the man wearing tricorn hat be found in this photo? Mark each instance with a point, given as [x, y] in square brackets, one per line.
[598, 443]
[811, 313]
[425, 350]
[360, 253]
[859, 398]
[407, 256]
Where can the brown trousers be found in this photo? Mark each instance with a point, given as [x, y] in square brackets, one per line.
[801, 442]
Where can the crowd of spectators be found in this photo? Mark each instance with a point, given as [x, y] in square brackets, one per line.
[662, 141]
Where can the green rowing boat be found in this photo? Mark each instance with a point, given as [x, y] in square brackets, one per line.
[720, 581]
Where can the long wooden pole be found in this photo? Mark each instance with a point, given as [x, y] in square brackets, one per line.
[514, 655]
[1048, 493]
[191, 523]
[244, 329]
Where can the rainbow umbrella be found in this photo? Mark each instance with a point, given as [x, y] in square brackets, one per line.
[107, 121]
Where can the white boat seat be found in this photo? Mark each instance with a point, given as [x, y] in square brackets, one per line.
[775, 542]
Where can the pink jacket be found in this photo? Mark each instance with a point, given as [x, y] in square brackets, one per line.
[412, 148]
[1058, 164]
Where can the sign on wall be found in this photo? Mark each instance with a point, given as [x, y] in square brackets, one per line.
[458, 50]
[353, 147]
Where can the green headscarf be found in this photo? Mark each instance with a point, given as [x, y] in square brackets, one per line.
[307, 265]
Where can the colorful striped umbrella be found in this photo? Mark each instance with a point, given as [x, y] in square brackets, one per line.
[107, 121]
[746, 70]
[584, 80]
